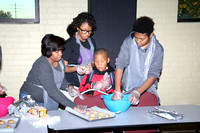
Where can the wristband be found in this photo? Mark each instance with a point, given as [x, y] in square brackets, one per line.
[137, 92]
[75, 67]
[117, 92]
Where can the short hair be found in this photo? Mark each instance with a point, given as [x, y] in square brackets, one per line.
[101, 51]
[144, 25]
[51, 43]
[79, 20]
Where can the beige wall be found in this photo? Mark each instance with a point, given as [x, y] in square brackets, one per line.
[181, 70]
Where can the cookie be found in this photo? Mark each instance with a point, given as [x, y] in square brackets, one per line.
[92, 115]
[11, 121]
[90, 109]
[2, 122]
[91, 118]
[7, 126]
[83, 67]
[100, 113]
[95, 112]
[100, 116]
[107, 115]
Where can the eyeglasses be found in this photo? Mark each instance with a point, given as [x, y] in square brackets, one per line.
[86, 31]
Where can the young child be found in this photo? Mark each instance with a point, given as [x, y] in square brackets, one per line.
[102, 76]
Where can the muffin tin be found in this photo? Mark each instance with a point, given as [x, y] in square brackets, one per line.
[96, 113]
[6, 126]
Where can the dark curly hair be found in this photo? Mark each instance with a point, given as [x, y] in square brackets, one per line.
[80, 19]
[144, 25]
[51, 43]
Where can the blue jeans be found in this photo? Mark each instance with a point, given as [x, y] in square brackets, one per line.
[21, 94]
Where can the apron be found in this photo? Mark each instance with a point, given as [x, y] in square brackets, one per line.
[49, 103]
[86, 55]
[139, 63]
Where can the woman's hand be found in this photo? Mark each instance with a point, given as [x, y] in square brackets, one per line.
[88, 69]
[80, 69]
[81, 109]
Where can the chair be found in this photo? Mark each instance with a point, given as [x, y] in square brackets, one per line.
[91, 101]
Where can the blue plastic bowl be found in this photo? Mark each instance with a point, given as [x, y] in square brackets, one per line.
[118, 105]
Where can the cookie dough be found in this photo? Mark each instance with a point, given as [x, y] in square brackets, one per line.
[7, 126]
[95, 112]
[83, 67]
[91, 118]
[100, 113]
[2, 122]
[90, 109]
[92, 115]
[107, 115]
[100, 116]
[11, 121]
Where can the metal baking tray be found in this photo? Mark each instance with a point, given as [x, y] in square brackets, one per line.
[12, 126]
[96, 114]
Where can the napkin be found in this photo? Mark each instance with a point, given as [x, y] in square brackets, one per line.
[40, 122]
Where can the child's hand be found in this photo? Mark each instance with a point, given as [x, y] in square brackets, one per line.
[134, 97]
[98, 85]
[105, 80]
[117, 96]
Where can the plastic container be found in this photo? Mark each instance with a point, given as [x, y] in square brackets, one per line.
[118, 105]
[4, 103]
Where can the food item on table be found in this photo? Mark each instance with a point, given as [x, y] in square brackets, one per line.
[91, 118]
[11, 121]
[7, 126]
[107, 115]
[101, 113]
[90, 109]
[38, 111]
[2, 122]
[92, 115]
[100, 116]
[95, 112]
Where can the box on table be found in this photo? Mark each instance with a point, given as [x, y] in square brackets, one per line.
[38, 111]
